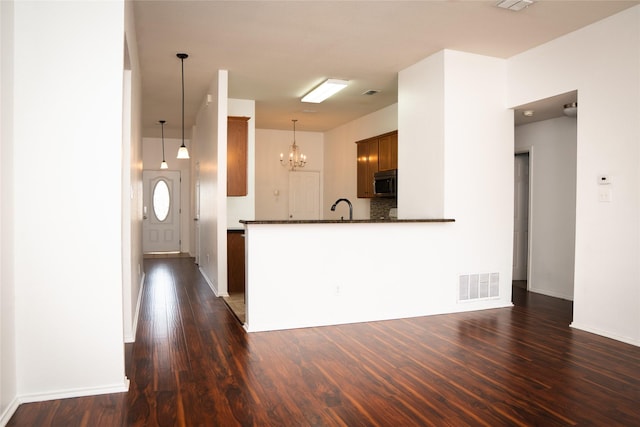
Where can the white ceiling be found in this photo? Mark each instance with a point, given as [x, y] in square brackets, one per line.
[276, 51]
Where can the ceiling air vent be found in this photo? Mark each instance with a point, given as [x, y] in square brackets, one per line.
[514, 5]
[371, 92]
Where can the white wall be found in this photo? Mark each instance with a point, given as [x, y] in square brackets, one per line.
[346, 277]
[551, 145]
[271, 177]
[209, 147]
[601, 61]
[478, 165]
[151, 159]
[8, 363]
[244, 207]
[340, 150]
[455, 158]
[132, 269]
[67, 152]
[421, 139]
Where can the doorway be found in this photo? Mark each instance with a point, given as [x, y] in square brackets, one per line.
[161, 211]
[545, 170]
[521, 220]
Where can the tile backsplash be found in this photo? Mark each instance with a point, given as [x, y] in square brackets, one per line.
[379, 208]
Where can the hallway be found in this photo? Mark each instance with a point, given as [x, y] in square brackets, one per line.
[193, 365]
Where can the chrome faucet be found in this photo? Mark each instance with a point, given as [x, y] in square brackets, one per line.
[333, 207]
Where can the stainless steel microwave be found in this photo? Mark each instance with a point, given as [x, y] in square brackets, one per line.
[385, 183]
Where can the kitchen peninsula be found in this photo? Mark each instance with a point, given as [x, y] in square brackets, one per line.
[325, 272]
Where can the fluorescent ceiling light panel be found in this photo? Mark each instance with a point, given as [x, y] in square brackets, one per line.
[325, 90]
[514, 5]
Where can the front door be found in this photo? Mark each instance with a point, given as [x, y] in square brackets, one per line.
[161, 211]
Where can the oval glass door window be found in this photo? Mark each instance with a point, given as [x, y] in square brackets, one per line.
[161, 200]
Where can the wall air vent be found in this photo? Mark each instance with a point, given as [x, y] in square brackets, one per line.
[478, 286]
[514, 5]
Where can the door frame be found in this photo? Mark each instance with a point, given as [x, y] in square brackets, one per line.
[528, 150]
[196, 213]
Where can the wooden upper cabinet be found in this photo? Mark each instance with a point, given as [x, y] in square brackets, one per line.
[374, 154]
[237, 134]
[367, 166]
[388, 151]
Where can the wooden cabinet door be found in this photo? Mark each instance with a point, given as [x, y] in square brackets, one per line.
[373, 164]
[363, 155]
[237, 134]
[388, 151]
[235, 262]
[367, 166]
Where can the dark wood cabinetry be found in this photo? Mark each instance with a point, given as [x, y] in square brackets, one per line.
[367, 166]
[237, 134]
[388, 151]
[375, 154]
[235, 261]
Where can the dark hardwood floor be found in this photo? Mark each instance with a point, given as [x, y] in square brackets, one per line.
[193, 365]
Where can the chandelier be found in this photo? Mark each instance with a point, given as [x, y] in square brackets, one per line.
[295, 159]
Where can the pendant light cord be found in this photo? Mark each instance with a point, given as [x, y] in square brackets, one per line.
[294, 131]
[182, 57]
[182, 63]
[162, 122]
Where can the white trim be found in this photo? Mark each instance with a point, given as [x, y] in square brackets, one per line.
[550, 293]
[529, 150]
[131, 335]
[8, 413]
[211, 285]
[605, 334]
[80, 392]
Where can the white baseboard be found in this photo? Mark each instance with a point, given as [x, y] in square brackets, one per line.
[131, 335]
[80, 392]
[211, 285]
[8, 413]
[551, 293]
[627, 340]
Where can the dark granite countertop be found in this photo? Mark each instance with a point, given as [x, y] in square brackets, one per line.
[347, 221]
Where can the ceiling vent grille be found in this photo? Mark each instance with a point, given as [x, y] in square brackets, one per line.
[514, 5]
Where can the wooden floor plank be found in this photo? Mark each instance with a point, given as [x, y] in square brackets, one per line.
[193, 364]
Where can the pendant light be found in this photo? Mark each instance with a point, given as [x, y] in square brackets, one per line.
[295, 159]
[183, 153]
[164, 164]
